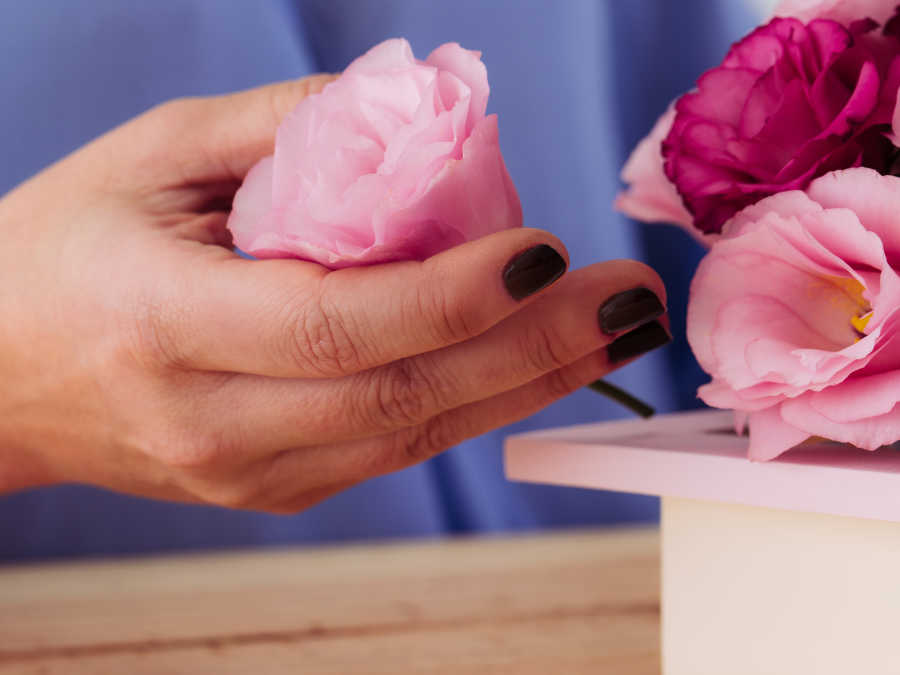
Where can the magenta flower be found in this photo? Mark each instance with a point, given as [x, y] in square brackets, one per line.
[394, 160]
[795, 313]
[790, 102]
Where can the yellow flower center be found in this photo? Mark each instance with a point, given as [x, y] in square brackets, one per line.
[859, 323]
[852, 291]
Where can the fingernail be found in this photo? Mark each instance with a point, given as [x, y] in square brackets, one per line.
[532, 270]
[629, 309]
[639, 341]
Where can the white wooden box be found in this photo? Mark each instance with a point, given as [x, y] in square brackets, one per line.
[789, 567]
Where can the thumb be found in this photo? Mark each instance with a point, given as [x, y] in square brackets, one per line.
[217, 138]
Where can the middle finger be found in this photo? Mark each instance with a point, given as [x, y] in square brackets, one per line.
[588, 310]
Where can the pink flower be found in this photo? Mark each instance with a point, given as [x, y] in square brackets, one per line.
[790, 102]
[795, 313]
[650, 197]
[843, 11]
[394, 160]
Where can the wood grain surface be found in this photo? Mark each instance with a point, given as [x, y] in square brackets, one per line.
[570, 603]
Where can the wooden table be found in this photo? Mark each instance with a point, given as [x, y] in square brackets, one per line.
[563, 604]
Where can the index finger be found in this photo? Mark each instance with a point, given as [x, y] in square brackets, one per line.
[285, 318]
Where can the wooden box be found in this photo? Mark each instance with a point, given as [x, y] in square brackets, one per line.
[789, 567]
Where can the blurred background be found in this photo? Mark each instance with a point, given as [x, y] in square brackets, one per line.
[576, 83]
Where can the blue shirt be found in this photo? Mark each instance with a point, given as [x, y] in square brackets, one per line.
[575, 84]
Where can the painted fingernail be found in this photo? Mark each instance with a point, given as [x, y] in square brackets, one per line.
[629, 309]
[639, 341]
[532, 270]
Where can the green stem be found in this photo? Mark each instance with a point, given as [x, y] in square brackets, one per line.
[622, 397]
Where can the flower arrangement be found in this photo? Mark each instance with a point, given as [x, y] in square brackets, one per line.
[785, 162]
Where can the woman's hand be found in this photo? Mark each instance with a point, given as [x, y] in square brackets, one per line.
[138, 352]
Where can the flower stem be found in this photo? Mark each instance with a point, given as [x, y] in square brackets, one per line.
[622, 397]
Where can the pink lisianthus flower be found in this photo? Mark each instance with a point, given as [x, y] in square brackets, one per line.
[790, 102]
[843, 11]
[650, 196]
[795, 313]
[394, 160]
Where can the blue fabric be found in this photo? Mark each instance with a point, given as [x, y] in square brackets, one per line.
[575, 84]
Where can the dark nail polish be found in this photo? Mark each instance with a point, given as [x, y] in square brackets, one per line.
[639, 341]
[532, 270]
[629, 309]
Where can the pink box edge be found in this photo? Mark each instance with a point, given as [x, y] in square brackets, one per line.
[689, 455]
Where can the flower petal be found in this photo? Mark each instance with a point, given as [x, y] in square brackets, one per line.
[649, 195]
[771, 435]
[869, 432]
[873, 198]
[467, 66]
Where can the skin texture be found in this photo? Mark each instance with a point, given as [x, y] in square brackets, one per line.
[139, 353]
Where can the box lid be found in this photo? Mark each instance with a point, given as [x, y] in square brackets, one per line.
[698, 455]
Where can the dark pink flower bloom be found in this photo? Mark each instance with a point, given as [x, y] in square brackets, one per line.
[790, 102]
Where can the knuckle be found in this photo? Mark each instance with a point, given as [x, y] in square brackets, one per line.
[425, 441]
[451, 319]
[405, 394]
[229, 493]
[194, 454]
[232, 496]
[321, 342]
[277, 102]
[153, 342]
[282, 99]
[198, 462]
[544, 350]
[561, 383]
[191, 450]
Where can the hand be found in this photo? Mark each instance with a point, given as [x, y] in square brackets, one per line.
[138, 352]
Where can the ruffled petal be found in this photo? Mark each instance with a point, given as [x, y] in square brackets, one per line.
[771, 435]
[649, 196]
[394, 160]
